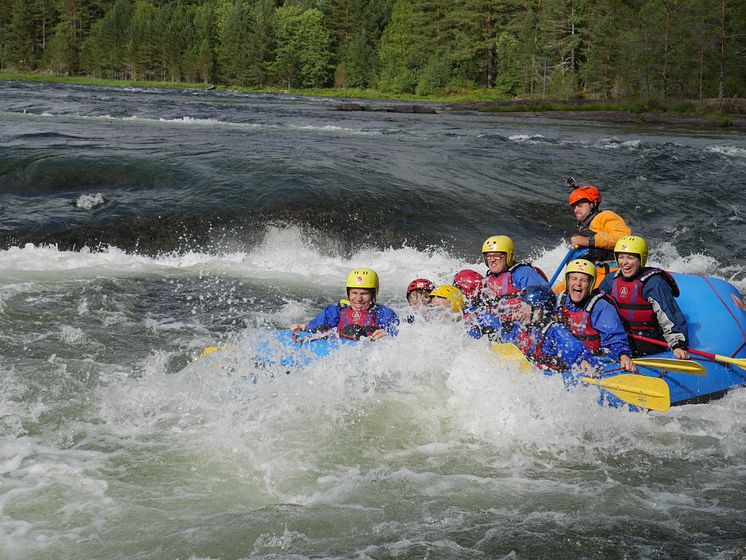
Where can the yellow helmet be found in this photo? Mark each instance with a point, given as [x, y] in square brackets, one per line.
[634, 245]
[581, 265]
[365, 278]
[452, 294]
[500, 244]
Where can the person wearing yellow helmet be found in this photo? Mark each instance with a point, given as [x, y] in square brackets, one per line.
[645, 297]
[592, 316]
[599, 230]
[448, 300]
[506, 278]
[363, 317]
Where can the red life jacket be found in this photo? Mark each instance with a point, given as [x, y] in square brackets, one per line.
[579, 322]
[636, 312]
[531, 343]
[499, 294]
[353, 323]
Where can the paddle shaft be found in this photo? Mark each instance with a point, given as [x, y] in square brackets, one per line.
[665, 344]
[568, 257]
[740, 362]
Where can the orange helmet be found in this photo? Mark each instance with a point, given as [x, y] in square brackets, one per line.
[586, 192]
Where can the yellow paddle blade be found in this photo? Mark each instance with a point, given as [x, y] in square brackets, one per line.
[210, 349]
[671, 364]
[640, 390]
[512, 354]
[740, 362]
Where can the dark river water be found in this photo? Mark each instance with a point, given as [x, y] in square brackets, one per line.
[140, 226]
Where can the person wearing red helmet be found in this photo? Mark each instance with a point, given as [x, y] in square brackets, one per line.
[470, 283]
[599, 230]
[418, 296]
[418, 292]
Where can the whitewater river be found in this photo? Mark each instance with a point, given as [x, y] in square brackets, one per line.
[140, 226]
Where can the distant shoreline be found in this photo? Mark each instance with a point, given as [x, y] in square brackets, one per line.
[729, 114]
[729, 121]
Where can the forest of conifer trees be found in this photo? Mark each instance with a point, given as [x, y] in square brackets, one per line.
[601, 49]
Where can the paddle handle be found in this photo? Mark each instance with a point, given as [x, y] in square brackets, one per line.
[568, 257]
[662, 343]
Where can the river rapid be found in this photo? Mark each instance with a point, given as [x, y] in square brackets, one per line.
[140, 226]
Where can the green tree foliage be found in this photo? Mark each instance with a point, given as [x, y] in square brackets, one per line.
[401, 52]
[357, 26]
[104, 52]
[543, 48]
[235, 37]
[304, 47]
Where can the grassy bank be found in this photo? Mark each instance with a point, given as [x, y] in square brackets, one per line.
[477, 100]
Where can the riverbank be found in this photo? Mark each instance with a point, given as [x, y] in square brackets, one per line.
[709, 113]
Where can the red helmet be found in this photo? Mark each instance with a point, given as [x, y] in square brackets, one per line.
[468, 281]
[586, 192]
[420, 284]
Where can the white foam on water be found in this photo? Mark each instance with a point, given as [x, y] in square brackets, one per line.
[727, 150]
[614, 144]
[430, 413]
[90, 201]
[528, 138]
[212, 123]
[288, 257]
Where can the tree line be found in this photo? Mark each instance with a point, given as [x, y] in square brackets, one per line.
[603, 49]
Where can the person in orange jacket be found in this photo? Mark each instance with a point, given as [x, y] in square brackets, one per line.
[599, 230]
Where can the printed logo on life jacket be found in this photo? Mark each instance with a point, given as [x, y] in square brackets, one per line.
[623, 291]
[356, 316]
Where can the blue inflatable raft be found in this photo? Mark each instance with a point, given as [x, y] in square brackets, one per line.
[716, 318]
[305, 349]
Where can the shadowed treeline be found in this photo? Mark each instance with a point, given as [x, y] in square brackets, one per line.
[605, 49]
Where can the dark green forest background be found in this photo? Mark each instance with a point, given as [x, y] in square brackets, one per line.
[601, 49]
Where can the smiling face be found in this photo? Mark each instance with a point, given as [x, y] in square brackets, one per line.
[582, 210]
[629, 264]
[360, 298]
[578, 286]
[496, 262]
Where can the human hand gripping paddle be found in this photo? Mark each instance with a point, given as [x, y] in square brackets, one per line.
[740, 362]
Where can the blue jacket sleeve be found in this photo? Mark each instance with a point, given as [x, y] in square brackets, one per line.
[606, 320]
[607, 283]
[327, 319]
[480, 322]
[387, 319]
[667, 311]
[525, 276]
[561, 343]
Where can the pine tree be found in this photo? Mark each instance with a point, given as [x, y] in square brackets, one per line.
[402, 52]
[233, 50]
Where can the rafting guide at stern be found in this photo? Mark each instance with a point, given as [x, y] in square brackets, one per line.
[599, 230]
[363, 317]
